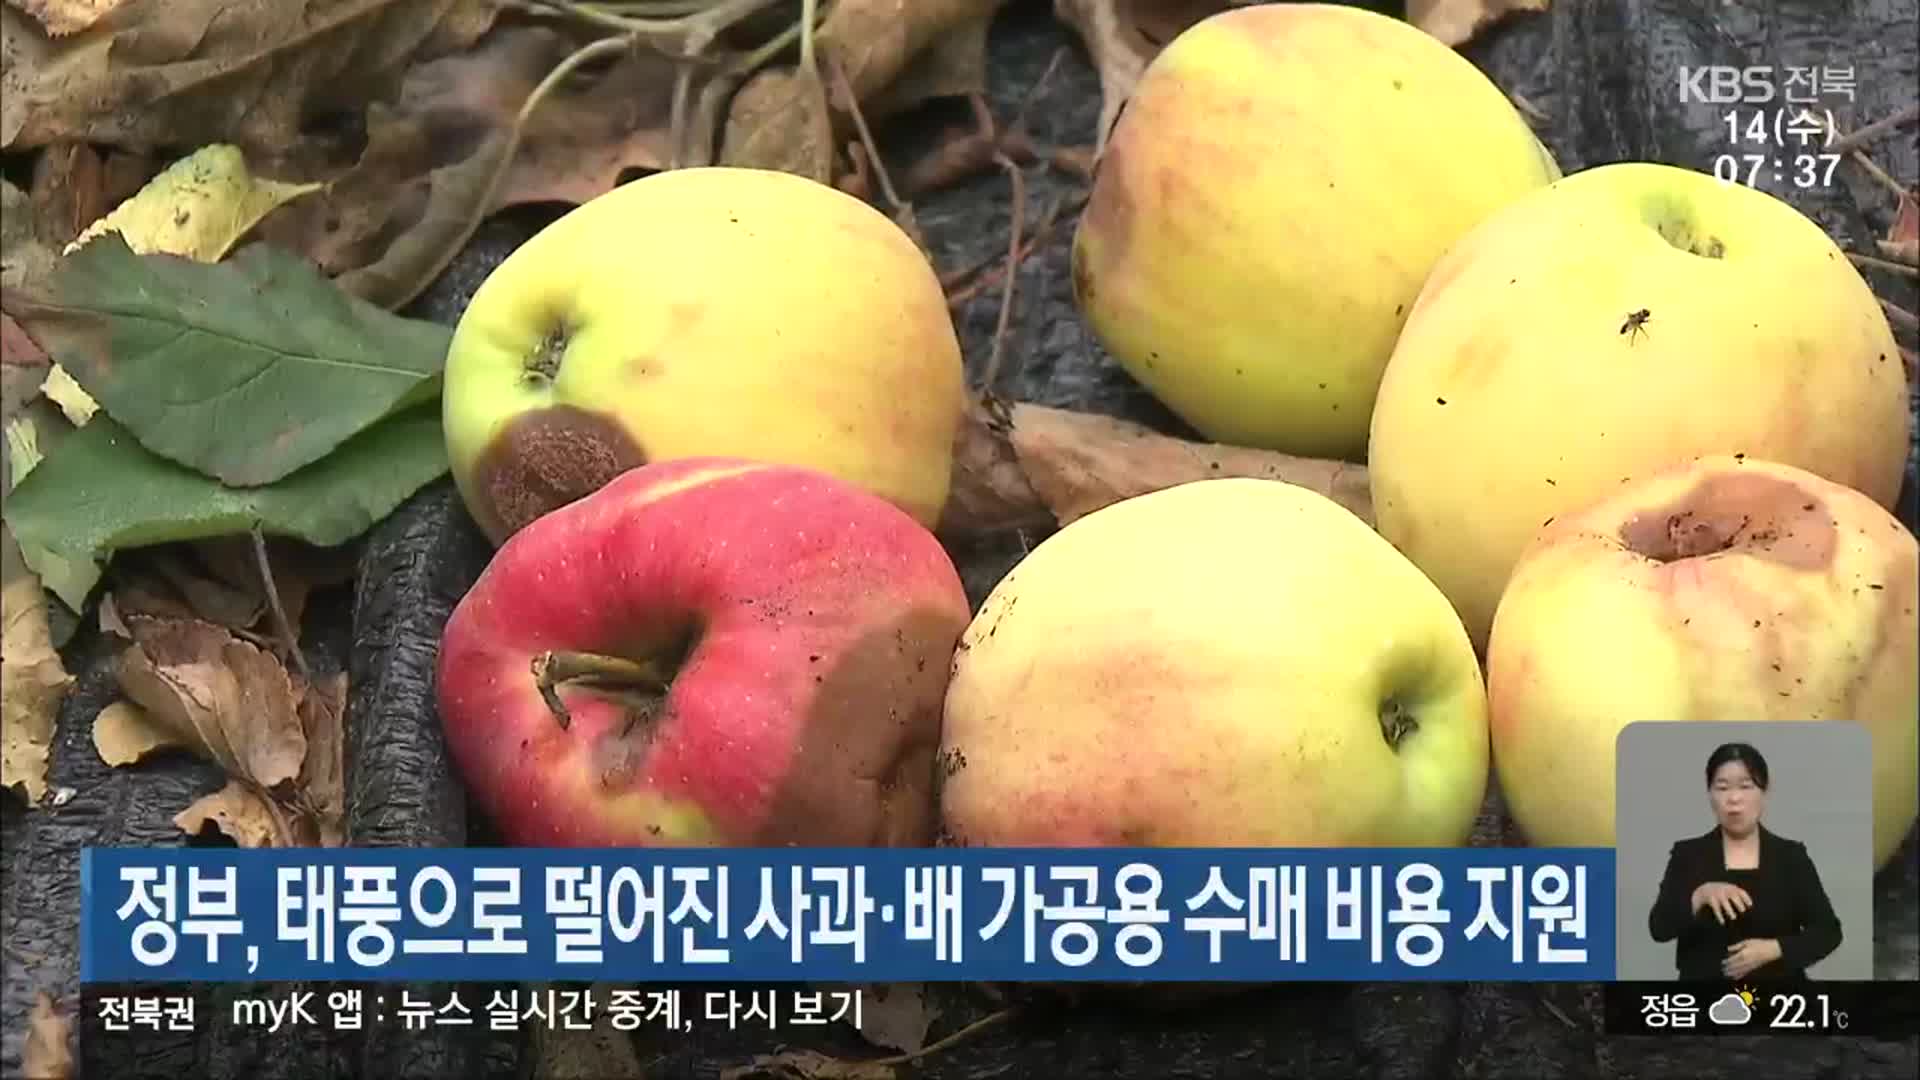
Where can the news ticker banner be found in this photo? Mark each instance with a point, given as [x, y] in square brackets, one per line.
[143, 1017]
[862, 915]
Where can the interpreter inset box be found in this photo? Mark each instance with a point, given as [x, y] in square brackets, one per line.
[1744, 851]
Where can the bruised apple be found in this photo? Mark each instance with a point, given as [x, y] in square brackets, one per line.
[1629, 317]
[1720, 589]
[704, 311]
[711, 652]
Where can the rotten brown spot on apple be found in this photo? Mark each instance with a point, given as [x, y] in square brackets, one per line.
[544, 460]
[1717, 514]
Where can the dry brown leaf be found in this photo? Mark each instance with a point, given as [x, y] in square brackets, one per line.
[582, 141]
[1902, 242]
[69, 191]
[893, 54]
[74, 185]
[33, 684]
[191, 72]
[248, 817]
[780, 120]
[227, 699]
[322, 785]
[191, 684]
[63, 17]
[124, 734]
[47, 1053]
[450, 210]
[218, 581]
[1024, 465]
[953, 66]
[877, 41]
[1123, 37]
[1457, 22]
[896, 1016]
[23, 256]
[807, 1065]
[427, 173]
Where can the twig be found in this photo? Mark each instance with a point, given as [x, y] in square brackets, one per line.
[680, 35]
[1528, 109]
[1540, 992]
[844, 88]
[280, 621]
[937, 1045]
[1014, 230]
[677, 115]
[807, 13]
[1033, 92]
[967, 283]
[1909, 269]
[1077, 160]
[1874, 130]
[1900, 316]
[1860, 158]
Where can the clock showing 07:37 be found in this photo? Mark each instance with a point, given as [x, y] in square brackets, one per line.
[1800, 170]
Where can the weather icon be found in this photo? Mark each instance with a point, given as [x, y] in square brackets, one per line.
[1733, 1009]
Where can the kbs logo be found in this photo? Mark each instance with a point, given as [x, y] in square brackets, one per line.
[1723, 84]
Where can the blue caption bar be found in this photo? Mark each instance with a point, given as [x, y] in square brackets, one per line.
[863, 914]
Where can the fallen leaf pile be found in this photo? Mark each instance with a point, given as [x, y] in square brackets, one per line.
[189, 684]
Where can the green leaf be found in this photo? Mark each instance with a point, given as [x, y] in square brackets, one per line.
[99, 492]
[245, 370]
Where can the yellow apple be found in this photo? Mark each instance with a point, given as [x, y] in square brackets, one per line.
[1280, 183]
[704, 311]
[1718, 589]
[1232, 662]
[1627, 317]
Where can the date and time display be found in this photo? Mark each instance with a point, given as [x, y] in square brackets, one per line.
[1777, 122]
[1784, 146]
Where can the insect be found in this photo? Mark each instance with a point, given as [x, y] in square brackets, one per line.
[1635, 321]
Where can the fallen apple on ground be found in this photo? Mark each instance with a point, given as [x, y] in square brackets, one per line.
[1233, 662]
[1280, 183]
[706, 652]
[1626, 318]
[1721, 589]
[704, 311]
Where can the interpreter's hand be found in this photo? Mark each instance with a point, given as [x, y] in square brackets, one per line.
[1727, 901]
[1743, 959]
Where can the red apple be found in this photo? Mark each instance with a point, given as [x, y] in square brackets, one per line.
[707, 652]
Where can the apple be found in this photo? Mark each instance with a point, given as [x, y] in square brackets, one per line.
[1274, 193]
[696, 312]
[1229, 662]
[1722, 588]
[706, 652]
[1626, 318]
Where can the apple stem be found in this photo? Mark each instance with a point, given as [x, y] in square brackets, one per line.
[1396, 722]
[556, 666]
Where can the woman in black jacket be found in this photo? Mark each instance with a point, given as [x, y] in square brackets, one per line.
[1739, 901]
